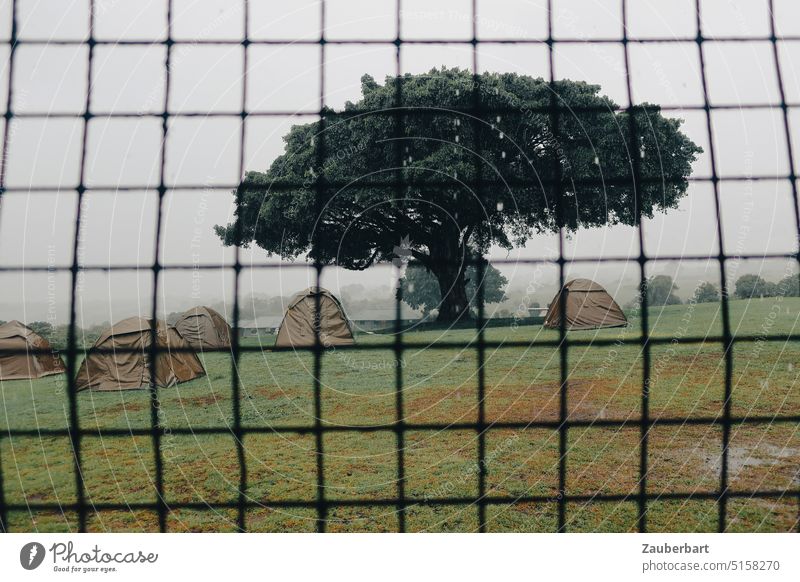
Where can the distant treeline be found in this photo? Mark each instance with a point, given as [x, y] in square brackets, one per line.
[748, 286]
[661, 290]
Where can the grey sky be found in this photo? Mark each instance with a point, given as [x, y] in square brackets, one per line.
[119, 227]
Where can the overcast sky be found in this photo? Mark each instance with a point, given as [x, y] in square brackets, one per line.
[119, 227]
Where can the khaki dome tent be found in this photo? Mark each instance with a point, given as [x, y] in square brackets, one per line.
[297, 327]
[588, 306]
[204, 328]
[23, 364]
[129, 367]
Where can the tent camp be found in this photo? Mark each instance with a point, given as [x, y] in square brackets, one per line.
[297, 328]
[124, 362]
[19, 338]
[204, 328]
[588, 306]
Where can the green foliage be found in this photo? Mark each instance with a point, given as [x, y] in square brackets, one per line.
[789, 286]
[749, 286]
[706, 293]
[661, 291]
[420, 288]
[358, 181]
[43, 328]
[84, 337]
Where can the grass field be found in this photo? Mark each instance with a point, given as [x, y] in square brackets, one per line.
[522, 384]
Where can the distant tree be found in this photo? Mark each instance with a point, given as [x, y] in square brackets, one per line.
[84, 338]
[58, 339]
[421, 289]
[748, 286]
[789, 286]
[706, 293]
[661, 291]
[43, 328]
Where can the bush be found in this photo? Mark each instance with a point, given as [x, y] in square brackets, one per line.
[706, 293]
[749, 286]
[789, 286]
[661, 291]
[43, 328]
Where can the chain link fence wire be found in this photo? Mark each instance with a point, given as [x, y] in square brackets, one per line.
[726, 342]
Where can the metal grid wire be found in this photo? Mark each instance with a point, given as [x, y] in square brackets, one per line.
[727, 342]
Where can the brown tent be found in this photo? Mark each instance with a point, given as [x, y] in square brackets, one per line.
[297, 328]
[124, 363]
[23, 364]
[588, 306]
[204, 328]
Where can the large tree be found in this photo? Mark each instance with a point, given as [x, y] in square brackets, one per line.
[455, 164]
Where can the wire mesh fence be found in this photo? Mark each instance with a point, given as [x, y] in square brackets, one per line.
[727, 342]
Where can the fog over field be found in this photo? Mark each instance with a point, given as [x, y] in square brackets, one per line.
[37, 228]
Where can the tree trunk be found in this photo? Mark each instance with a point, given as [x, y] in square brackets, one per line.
[447, 256]
[453, 288]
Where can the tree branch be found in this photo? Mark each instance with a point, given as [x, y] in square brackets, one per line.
[467, 234]
[366, 265]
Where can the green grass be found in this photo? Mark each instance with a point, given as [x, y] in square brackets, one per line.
[441, 384]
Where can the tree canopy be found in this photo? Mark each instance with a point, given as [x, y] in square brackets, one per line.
[458, 163]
